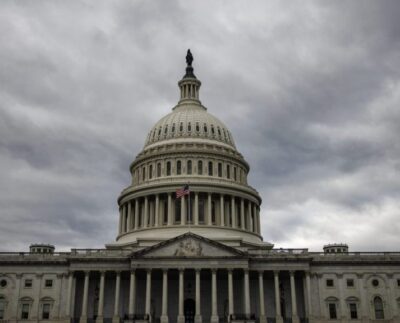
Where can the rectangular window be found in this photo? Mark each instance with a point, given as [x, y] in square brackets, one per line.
[332, 311]
[353, 311]
[28, 283]
[350, 282]
[165, 216]
[178, 210]
[329, 283]
[25, 311]
[398, 283]
[46, 311]
[234, 173]
[150, 171]
[48, 283]
[228, 171]
[201, 210]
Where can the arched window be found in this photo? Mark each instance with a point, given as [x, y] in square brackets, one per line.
[200, 167]
[144, 173]
[189, 127]
[197, 127]
[158, 169]
[210, 169]
[189, 167]
[219, 170]
[181, 127]
[234, 174]
[150, 171]
[173, 128]
[168, 168]
[378, 307]
[205, 128]
[178, 167]
[166, 129]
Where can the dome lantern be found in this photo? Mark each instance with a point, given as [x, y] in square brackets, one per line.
[189, 84]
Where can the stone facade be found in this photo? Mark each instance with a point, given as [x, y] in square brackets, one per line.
[199, 258]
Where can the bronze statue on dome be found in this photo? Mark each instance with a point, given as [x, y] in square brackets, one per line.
[189, 58]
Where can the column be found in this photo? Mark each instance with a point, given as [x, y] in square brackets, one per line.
[137, 215]
[277, 298]
[308, 295]
[214, 300]
[263, 319]
[393, 283]
[129, 221]
[164, 310]
[242, 223]
[38, 291]
[132, 295]
[222, 214]
[183, 210]
[17, 295]
[248, 218]
[146, 212]
[170, 221]
[295, 317]
[197, 317]
[69, 295]
[363, 308]
[117, 292]
[255, 218]
[99, 318]
[120, 221]
[246, 293]
[157, 211]
[148, 292]
[209, 217]
[181, 317]
[83, 318]
[230, 294]
[196, 208]
[343, 309]
[233, 212]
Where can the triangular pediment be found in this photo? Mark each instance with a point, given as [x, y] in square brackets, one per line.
[188, 245]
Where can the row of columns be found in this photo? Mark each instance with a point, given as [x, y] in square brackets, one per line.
[130, 213]
[198, 315]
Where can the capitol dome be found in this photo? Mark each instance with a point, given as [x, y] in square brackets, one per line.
[190, 148]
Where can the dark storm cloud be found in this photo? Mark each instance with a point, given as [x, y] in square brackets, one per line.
[309, 90]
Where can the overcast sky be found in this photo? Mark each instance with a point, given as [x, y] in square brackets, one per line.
[310, 91]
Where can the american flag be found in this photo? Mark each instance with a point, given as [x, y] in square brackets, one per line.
[182, 191]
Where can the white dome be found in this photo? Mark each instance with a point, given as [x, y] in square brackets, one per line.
[189, 120]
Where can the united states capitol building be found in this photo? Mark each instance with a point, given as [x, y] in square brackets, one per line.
[198, 258]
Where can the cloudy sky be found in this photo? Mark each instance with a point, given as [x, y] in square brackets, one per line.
[310, 91]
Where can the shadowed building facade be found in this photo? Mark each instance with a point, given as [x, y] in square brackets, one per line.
[198, 258]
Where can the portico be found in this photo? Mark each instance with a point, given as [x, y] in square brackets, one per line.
[216, 284]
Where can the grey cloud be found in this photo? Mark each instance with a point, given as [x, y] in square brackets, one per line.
[310, 92]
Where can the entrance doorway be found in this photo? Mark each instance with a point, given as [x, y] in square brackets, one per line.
[189, 310]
